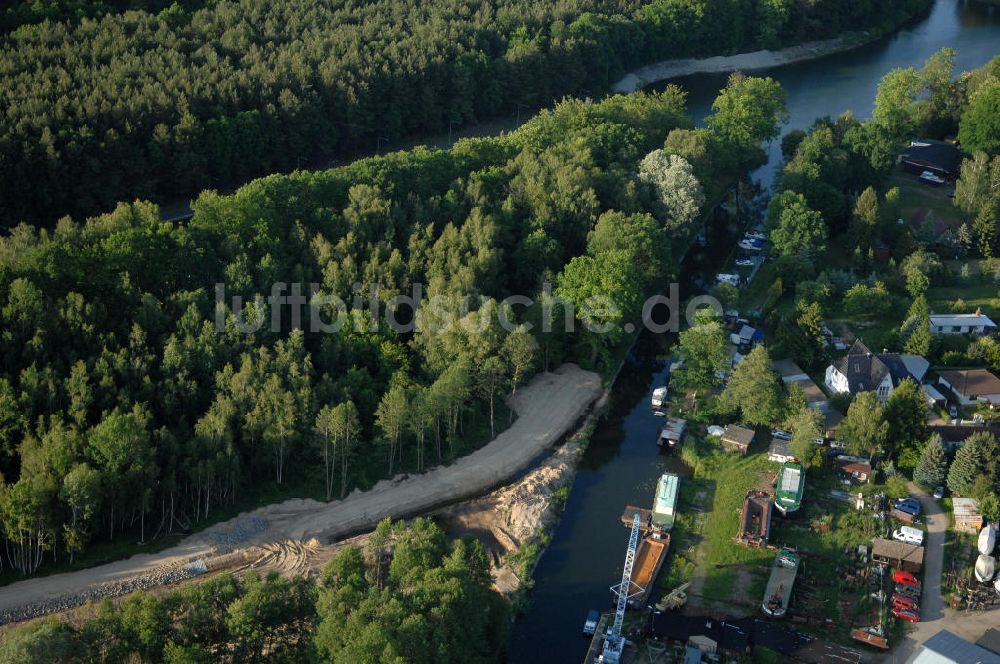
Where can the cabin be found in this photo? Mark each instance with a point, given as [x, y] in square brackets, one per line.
[864, 371]
[968, 518]
[976, 324]
[970, 386]
[780, 451]
[737, 439]
[900, 555]
[854, 468]
[940, 158]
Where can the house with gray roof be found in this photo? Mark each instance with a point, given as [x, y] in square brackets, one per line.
[864, 371]
[948, 648]
[976, 323]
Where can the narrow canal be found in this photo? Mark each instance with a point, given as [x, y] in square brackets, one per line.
[622, 462]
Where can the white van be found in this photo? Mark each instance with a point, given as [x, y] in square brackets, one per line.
[909, 535]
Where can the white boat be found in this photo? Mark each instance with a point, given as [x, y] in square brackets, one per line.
[985, 568]
[750, 245]
[931, 178]
[997, 585]
[659, 399]
[987, 540]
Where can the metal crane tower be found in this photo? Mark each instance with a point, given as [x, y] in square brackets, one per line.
[614, 642]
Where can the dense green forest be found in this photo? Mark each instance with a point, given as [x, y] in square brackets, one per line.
[137, 104]
[409, 595]
[124, 408]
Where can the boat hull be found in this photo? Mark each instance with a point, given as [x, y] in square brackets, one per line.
[780, 583]
[985, 568]
[987, 540]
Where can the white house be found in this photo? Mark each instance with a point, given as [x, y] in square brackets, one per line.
[864, 371]
[976, 323]
[972, 385]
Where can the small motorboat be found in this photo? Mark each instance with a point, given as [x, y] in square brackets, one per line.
[985, 568]
[659, 400]
[987, 540]
[751, 245]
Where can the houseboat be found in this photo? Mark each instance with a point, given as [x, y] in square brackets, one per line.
[791, 484]
[665, 501]
[779, 585]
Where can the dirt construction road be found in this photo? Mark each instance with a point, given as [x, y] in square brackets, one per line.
[547, 408]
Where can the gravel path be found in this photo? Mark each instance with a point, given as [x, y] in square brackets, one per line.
[934, 615]
[547, 408]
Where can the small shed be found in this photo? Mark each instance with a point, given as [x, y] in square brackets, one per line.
[780, 451]
[968, 518]
[854, 468]
[907, 557]
[737, 439]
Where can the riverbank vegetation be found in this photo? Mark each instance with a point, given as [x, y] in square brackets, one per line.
[897, 251]
[127, 409]
[408, 595]
[163, 101]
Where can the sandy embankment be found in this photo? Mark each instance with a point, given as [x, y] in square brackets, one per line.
[668, 69]
[286, 533]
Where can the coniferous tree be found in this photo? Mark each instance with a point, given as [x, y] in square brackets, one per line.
[932, 470]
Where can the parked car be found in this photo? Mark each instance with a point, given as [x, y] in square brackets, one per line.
[908, 505]
[909, 535]
[905, 578]
[905, 602]
[912, 592]
[780, 434]
[929, 178]
[952, 410]
[744, 262]
[906, 614]
[939, 493]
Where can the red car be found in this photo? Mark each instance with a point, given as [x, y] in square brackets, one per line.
[905, 578]
[905, 602]
[906, 614]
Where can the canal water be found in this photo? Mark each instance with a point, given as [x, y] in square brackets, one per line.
[622, 462]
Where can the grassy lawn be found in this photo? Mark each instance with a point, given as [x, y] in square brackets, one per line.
[915, 196]
[827, 532]
[975, 293]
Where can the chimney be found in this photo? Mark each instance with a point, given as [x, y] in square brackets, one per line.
[979, 312]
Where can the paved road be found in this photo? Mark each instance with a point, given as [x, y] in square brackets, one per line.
[934, 615]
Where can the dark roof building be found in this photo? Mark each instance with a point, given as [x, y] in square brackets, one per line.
[940, 158]
[990, 640]
[737, 439]
[947, 648]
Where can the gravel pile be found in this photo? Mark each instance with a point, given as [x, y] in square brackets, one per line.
[158, 577]
[242, 530]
